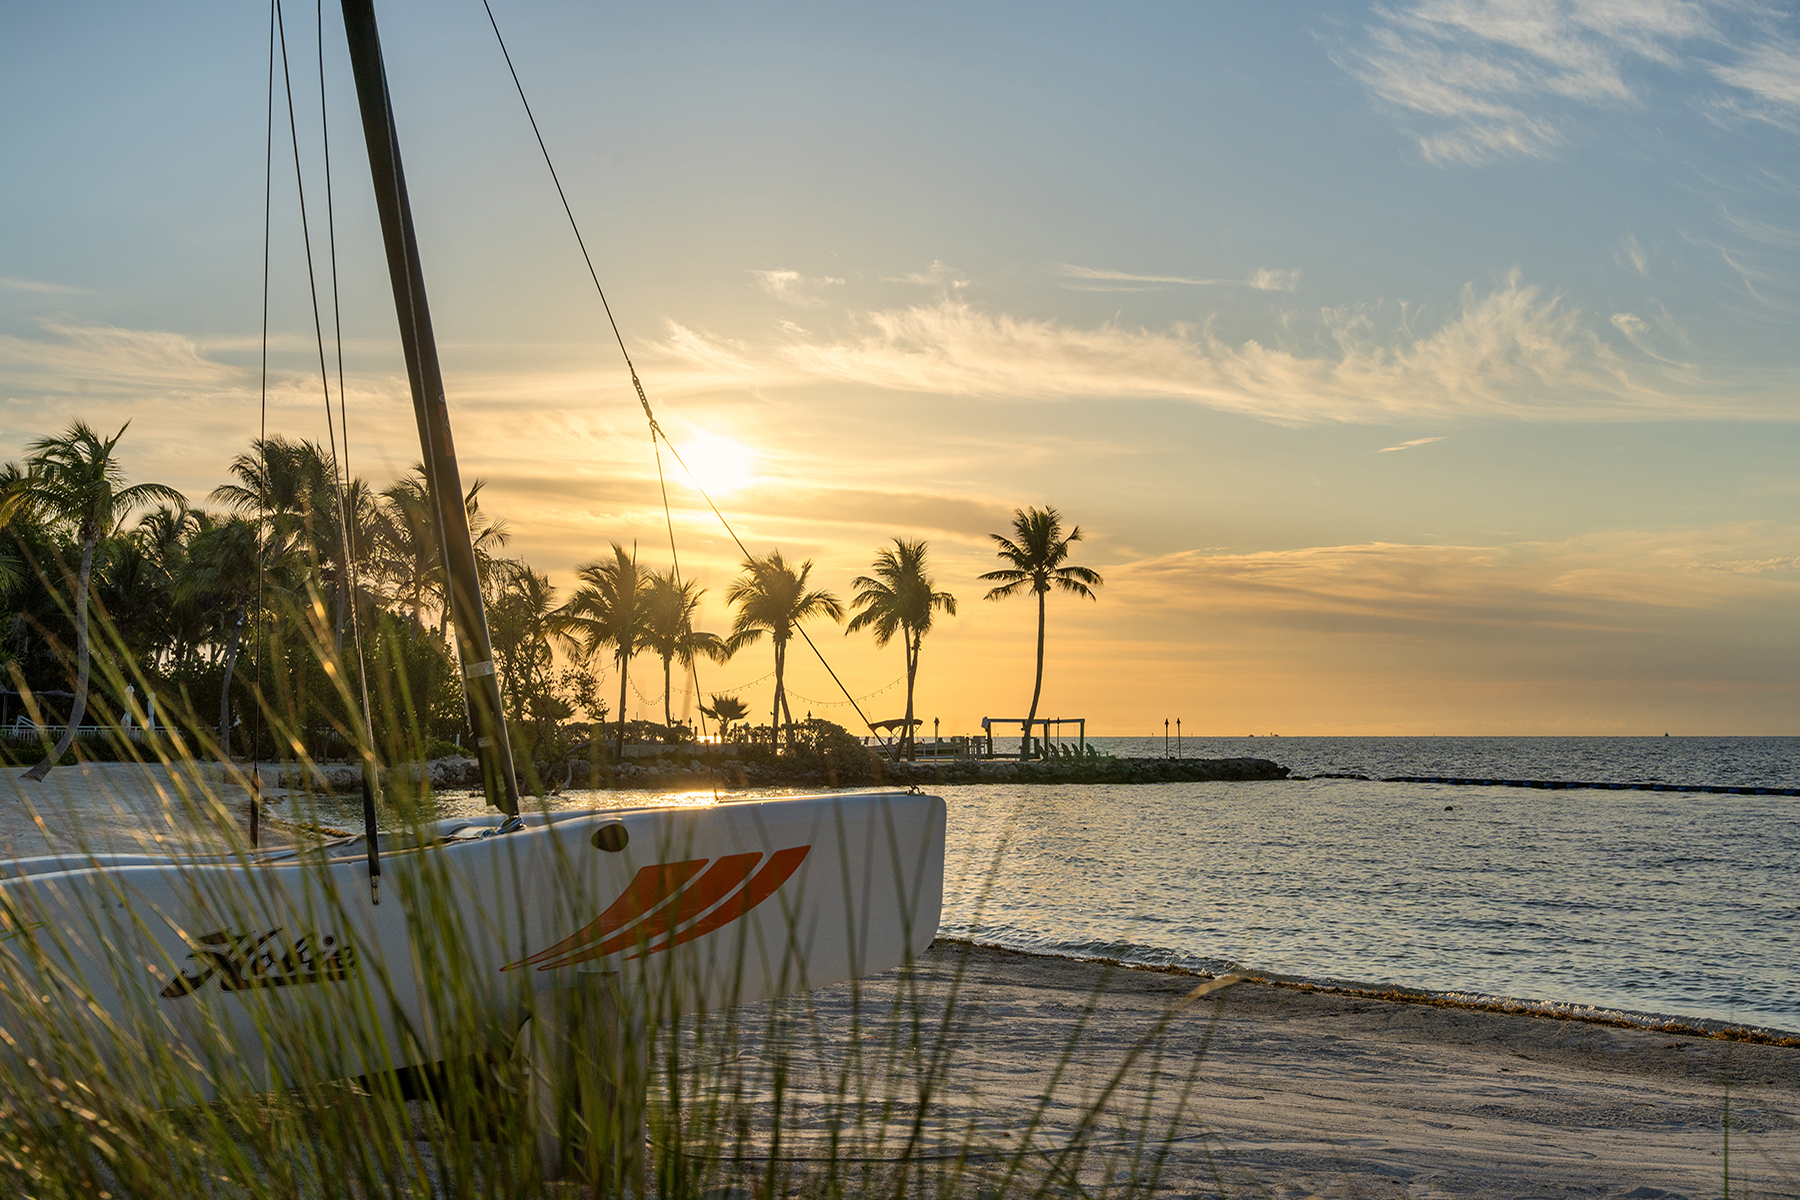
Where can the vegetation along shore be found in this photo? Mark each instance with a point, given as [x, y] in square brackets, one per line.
[253, 628]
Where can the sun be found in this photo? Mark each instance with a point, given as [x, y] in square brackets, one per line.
[719, 464]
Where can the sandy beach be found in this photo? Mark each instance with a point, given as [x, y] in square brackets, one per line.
[1304, 1094]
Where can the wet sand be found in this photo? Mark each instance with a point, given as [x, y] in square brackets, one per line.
[126, 808]
[1303, 1094]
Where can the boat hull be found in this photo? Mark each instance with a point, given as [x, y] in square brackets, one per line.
[204, 978]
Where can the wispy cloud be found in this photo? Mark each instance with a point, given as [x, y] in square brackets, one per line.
[1770, 72]
[1488, 74]
[35, 285]
[938, 275]
[794, 287]
[1630, 252]
[1512, 351]
[80, 359]
[1768, 234]
[1411, 444]
[1614, 580]
[1550, 637]
[1267, 280]
[1093, 279]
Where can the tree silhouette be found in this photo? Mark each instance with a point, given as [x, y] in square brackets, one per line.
[526, 624]
[612, 608]
[75, 480]
[1036, 551]
[671, 633]
[224, 569]
[725, 710]
[771, 598]
[899, 598]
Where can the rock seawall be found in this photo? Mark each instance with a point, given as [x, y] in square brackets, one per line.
[1089, 770]
[683, 770]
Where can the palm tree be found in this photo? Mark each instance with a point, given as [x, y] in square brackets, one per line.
[612, 608]
[1036, 551]
[526, 624]
[294, 488]
[224, 568]
[75, 480]
[725, 710]
[898, 598]
[406, 547]
[771, 597]
[671, 633]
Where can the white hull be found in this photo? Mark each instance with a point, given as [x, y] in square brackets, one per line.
[242, 975]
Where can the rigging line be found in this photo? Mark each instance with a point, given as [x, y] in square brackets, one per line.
[346, 506]
[674, 554]
[262, 547]
[369, 767]
[636, 383]
[680, 597]
[570, 213]
[695, 480]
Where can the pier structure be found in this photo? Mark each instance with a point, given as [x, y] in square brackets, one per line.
[1026, 725]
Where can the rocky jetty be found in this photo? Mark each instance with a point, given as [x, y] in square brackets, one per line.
[454, 772]
[1088, 770]
[681, 769]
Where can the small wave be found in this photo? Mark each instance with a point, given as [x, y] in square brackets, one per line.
[1128, 954]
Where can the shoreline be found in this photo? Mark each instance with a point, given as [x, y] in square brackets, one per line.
[1670, 1024]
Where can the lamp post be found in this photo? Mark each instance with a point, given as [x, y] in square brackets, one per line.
[1165, 737]
[1177, 737]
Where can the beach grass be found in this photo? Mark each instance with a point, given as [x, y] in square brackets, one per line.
[108, 1088]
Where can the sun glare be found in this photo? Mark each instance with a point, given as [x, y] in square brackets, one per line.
[719, 464]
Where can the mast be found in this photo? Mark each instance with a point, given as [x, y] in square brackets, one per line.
[467, 613]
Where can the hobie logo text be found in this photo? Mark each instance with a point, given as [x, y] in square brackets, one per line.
[672, 903]
[258, 960]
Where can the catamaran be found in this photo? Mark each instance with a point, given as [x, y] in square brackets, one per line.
[221, 964]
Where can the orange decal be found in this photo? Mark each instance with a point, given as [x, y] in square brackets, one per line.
[652, 887]
[781, 865]
[725, 874]
[643, 912]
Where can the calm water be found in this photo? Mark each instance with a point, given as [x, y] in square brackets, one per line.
[1662, 903]
[1640, 901]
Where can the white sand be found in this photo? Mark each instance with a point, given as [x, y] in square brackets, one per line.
[1302, 1094]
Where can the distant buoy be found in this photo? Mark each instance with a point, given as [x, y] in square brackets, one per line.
[1449, 808]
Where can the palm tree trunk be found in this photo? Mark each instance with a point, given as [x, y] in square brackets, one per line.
[912, 671]
[780, 700]
[619, 750]
[668, 717]
[231, 655]
[78, 708]
[1037, 688]
[787, 711]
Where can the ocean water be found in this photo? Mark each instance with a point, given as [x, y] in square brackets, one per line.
[1671, 904]
[1661, 903]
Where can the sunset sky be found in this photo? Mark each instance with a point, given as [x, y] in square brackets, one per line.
[1409, 368]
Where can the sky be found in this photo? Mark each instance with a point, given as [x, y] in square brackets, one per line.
[1417, 368]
